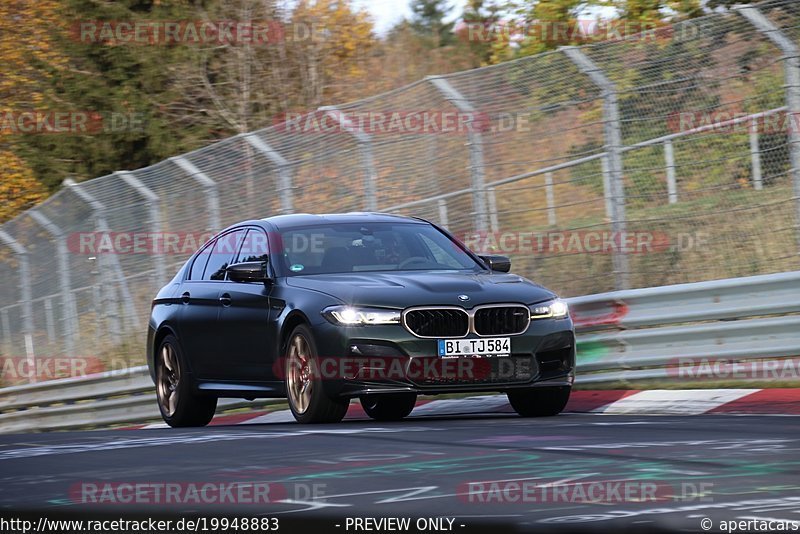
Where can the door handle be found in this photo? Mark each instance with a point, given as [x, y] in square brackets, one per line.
[225, 299]
[185, 297]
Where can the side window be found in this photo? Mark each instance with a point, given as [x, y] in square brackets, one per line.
[255, 247]
[220, 257]
[200, 262]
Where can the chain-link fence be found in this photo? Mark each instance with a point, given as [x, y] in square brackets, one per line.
[658, 158]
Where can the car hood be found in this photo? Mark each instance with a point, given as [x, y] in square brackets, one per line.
[418, 288]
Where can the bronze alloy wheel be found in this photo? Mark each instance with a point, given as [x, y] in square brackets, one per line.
[180, 404]
[308, 400]
[299, 373]
[169, 377]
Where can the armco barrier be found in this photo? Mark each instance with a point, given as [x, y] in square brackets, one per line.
[623, 336]
[656, 333]
[112, 398]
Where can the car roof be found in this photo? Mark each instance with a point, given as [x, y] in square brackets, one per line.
[295, 220]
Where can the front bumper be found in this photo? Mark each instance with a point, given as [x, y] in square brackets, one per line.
[363, 360]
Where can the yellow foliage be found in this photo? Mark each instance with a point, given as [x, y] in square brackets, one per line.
[27, 31]
[342, 39]
[28, 52]
[19, 190]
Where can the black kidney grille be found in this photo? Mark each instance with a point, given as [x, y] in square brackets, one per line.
[501, 320]
[437, 322]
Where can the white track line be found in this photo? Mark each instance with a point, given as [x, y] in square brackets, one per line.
[677, 401]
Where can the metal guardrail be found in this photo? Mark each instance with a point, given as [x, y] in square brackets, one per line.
[661, 333]
[124, 396]
[732, 329]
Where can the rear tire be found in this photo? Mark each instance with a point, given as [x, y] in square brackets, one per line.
[389, 407]
[307, 399]
[539, 402]
[179, 405]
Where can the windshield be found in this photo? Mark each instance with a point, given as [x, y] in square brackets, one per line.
[371, 247]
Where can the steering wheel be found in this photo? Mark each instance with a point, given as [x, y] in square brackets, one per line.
[409, 261]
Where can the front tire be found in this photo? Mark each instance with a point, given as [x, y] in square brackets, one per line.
[389, 407]
[179, 405]
[539, 402]
[307, 399]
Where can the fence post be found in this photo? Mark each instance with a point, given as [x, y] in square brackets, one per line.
[5, 324]
[284, 171]
[755, 159]
[669, 161]
[475, 150]
[367, 160]
[210, 190]
[68, 308]
[156, 227]
[493, 221]
[613, 142]
[25, 297]
[609, 202]
[442, 203]
[550, 195]
[101, 226]
[50, 323]
[791, 71]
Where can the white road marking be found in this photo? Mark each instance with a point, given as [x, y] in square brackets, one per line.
[470, 405]
[282, 416]
[676, 401]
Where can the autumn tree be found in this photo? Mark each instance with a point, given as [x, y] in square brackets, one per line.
[479, 26]
[30, 59]
[19, 189]
[117, 81]
[654, 11]
[317, 54]
[535, 26]
[332, 65]
[28, 50]
[428, 20]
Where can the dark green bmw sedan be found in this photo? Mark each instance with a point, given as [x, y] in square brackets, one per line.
[321, 309]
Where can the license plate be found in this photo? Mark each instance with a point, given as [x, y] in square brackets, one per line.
[493, 346]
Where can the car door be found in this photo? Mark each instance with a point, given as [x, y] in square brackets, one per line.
[201, 337]
[245, 316]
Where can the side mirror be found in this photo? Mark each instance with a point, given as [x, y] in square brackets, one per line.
[500, 264]
[248, 271]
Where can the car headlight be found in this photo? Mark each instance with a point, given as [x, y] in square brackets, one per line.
[356, 316]
[556, 309]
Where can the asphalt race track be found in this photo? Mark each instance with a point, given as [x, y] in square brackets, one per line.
[680, 469]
